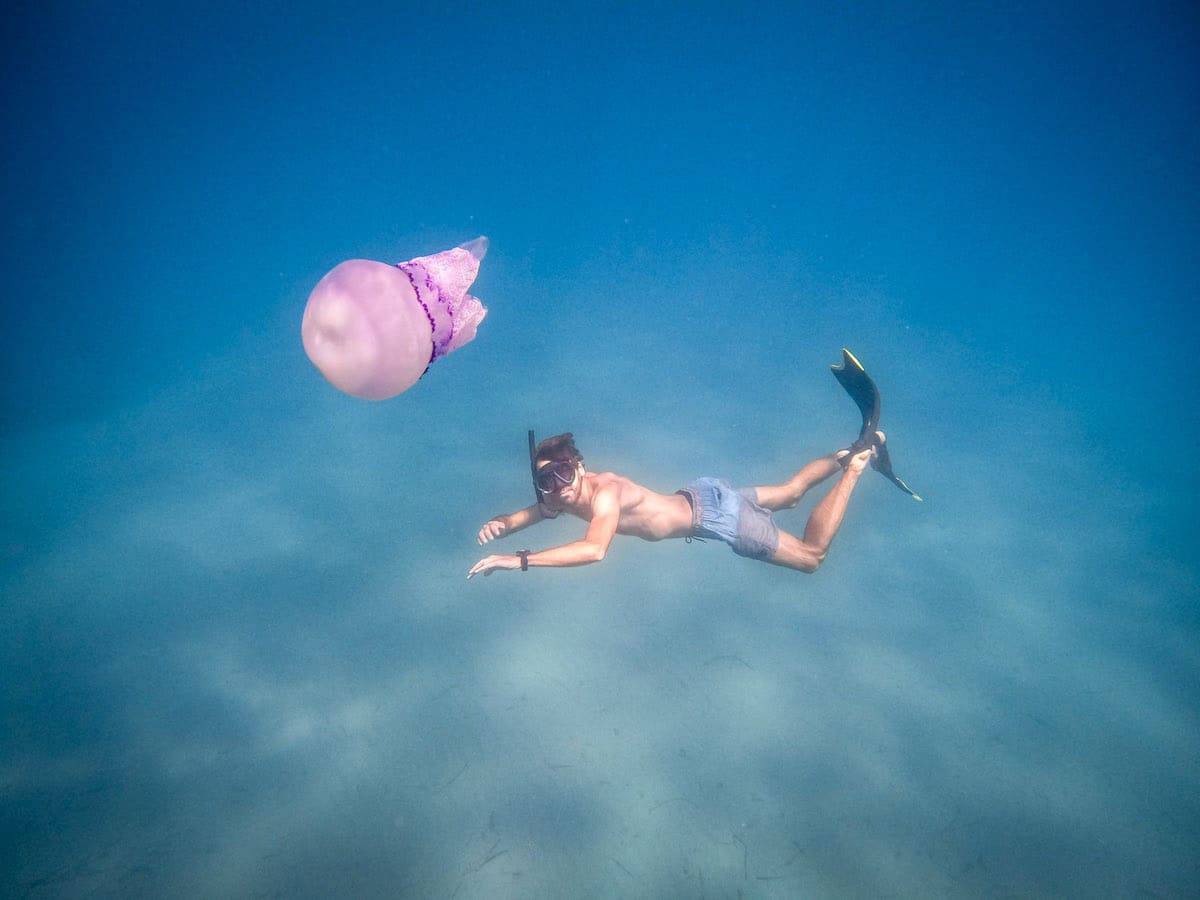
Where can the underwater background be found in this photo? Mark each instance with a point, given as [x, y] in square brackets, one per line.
[238, 653]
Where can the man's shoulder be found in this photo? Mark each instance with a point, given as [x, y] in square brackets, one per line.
[610, 481]
[624, 490]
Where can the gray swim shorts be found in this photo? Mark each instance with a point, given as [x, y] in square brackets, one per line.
[731, 515]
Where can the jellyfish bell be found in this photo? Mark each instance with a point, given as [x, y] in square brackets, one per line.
[364, 330]
[372, 329]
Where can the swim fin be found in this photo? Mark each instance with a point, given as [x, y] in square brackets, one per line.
[862, 390]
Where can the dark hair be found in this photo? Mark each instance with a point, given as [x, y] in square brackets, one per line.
[561, 446]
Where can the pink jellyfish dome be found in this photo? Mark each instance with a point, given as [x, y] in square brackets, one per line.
[373, 329]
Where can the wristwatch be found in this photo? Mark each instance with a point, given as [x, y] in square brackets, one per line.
[524, 554]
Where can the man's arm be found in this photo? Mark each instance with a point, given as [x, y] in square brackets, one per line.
[499, 526]
[606, 514]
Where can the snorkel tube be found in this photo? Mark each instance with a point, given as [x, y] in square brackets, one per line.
[537, 495]
[546, 511]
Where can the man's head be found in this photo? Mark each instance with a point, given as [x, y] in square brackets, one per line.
[559, 466]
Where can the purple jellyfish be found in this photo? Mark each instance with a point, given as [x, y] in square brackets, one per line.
[373, 329]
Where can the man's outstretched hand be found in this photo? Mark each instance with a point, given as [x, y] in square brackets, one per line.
[490, 564]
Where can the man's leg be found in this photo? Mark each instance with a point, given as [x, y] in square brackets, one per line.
[807, 553]
[788, 494]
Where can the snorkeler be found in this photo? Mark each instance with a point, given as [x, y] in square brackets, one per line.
[707, 508]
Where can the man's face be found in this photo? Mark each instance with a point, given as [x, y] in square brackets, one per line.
[562, 493]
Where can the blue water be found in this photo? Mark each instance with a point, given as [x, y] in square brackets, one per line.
[239, 656]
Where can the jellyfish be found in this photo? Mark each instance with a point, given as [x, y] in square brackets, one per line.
[373, 329]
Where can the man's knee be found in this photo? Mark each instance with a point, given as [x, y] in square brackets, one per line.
[795, 554]
[778, 496]
[796, 489]
[812, 560]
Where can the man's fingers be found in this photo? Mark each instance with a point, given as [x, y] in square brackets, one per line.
[490, 531]
[484, 566]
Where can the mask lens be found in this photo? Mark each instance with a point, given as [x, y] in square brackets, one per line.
[554, 476]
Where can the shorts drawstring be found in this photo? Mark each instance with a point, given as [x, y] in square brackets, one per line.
[687, 495]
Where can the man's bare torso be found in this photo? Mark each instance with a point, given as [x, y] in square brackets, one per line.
[644, 513]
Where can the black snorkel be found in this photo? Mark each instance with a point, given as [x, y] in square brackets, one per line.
[546, 511]
[537, 494]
